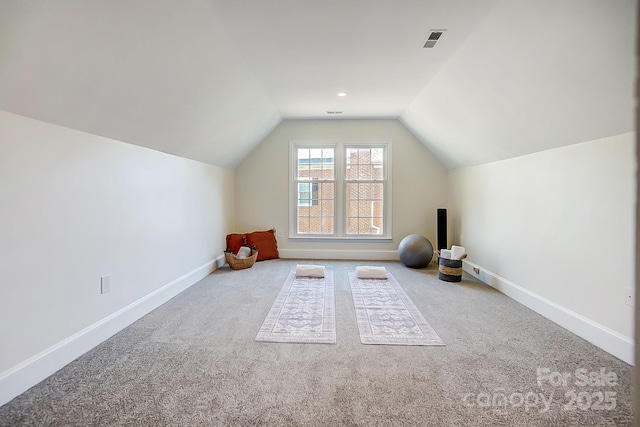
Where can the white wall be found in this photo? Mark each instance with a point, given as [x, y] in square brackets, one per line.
[419, 186]
[556, 227]
[77, 206]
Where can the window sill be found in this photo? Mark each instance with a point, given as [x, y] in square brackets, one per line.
[360, 239]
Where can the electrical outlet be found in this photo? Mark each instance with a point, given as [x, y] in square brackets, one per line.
[629, 296]
[476, 270]
[278, 232]
[105, 284]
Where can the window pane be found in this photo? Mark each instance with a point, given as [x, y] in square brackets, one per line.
[304, 195]
[327, 225]
[315, 208]
[365, 164]
[352, 156]
[316, 163]
[315, 225]
[352, 208]
[365, 208]
[352, 173]
[303, 172]
[303, 225]
[353, 191]
[378, 173]
[326, 208]
[363, 172]
[325, 191]
[315, 153]
[303, 163]
[352, 226]
[377, 191]
[327, 153]
[327, 164]
[377, 155]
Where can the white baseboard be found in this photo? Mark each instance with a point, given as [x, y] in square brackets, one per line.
[370, 255]
[25, 375]
[607, 339]
[220, 261]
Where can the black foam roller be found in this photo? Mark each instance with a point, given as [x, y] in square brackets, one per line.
[442, 229]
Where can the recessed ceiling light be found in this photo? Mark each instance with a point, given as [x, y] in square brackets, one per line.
[341, 94]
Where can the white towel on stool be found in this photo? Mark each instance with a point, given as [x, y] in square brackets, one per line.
[457, 252]
[244, 252]
[308, 270]
[371, 272]
[445, 253]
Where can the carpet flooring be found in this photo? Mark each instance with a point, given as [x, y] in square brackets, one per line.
[194, 361]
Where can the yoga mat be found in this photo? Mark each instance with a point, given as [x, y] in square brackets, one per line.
[303, 312]
[386, 315]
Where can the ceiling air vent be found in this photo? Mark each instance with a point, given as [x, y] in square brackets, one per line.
[433, 38]
[334, 112]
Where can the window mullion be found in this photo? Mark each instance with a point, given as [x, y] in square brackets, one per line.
[340, 199]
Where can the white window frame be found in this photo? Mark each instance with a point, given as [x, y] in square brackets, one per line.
[340, 148]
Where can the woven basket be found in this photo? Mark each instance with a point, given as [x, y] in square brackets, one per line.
[450, 270]
[240, 263]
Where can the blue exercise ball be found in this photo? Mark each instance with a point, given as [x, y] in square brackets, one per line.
[415, 251]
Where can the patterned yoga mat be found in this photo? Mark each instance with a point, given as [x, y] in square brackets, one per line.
[386, 314]
[303, 312]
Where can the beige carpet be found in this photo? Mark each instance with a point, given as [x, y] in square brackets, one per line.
[195, 362]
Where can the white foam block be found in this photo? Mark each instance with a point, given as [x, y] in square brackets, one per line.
[244, 252]
[457, 252]
[445, 253]
[371, 272]
[309, 270]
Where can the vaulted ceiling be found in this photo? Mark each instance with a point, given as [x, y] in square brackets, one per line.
[209, 79]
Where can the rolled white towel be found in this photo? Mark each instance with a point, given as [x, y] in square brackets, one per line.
[445, 253]
[244, 252]
[457, 252]
[371, 272]
[308, 270]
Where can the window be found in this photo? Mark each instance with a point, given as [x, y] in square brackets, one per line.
[340, 189]
[314, 179]
[364, 178]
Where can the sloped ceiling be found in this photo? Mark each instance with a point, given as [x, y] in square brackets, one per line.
[534, 75]
[209, 79]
